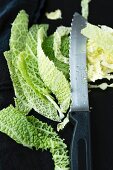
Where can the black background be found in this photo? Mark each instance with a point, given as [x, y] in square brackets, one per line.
[16, 157]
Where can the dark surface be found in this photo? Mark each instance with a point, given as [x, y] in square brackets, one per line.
[16, 157]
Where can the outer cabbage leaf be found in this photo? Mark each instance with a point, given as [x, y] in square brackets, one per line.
[56, 145]
[52, 77]
[15, 124]
[31, 40]
[31, 132]
[30, 61]
[65, 46]
[47, 46]
[35, 97]
[34, 81]
[19, 32]
[26, 98]
[58, 34]
[27, 63]
[20, 100]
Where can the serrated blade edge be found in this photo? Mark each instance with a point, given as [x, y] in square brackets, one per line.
[78, 69]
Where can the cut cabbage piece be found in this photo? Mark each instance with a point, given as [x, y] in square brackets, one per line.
[62, 125]
[106, 28]
[85, 8]
[54, 15]
[102, 86]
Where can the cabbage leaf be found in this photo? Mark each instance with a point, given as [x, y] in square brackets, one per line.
[58, 34]
[30, 132]
[52, 141]
[47, 46]
[36, 100]
[26, 98]
[52, 77]
[19, 32]
[20, 100]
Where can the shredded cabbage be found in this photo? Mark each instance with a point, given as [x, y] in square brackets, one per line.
[102, 86]
[99, 52]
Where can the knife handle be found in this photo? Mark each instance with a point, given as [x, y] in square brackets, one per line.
[81, 141]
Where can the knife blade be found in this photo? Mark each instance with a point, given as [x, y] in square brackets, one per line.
[80, 152]
[78, 70]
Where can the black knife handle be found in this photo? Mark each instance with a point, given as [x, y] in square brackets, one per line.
[81, 141]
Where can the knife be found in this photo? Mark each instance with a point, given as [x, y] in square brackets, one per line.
[80, 152]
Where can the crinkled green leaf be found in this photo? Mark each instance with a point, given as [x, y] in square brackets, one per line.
[27, 64]
[19, 32]
[32, 92]
[31, 132]
[37, 101]
[20, 100]
[52, 141]
[29, 60]
[58, 34]
[65, 46]
[52, 77]
[15, 124]
[26, 98]
[31, 40]
[47, 46]
[34, 80]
